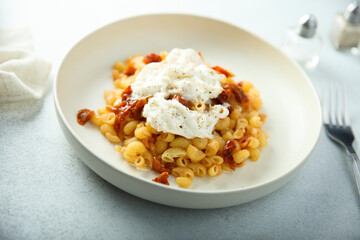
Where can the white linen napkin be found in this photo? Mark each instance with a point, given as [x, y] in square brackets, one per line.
[23, 74]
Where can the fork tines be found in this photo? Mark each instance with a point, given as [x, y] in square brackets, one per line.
[335, 106]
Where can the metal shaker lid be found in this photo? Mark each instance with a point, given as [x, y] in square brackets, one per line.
[308, 25]
[352, 12]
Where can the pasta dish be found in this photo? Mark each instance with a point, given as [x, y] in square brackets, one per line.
[178, 115]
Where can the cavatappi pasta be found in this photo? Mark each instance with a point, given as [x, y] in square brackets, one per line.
[237, 137]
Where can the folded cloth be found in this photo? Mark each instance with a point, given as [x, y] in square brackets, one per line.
[23, 74]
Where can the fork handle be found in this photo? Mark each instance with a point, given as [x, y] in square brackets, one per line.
[356, 169]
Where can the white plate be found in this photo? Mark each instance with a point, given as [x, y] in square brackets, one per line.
[293, 123]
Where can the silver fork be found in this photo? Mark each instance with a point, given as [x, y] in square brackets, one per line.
[337, 125]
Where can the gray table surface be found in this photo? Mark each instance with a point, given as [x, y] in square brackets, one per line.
[46, 192]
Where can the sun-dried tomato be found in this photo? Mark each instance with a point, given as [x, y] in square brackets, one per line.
[169, 166]
[229, 147]
[129, 108]
[126, 93]
[162, 178]
[228, 157]
[130, 70]
[181, 100]
[84, 115]
[232, 91]
[238, 93]
[152, 57]
[222, 97]
[223, 71]
[158, 167]
[139, 106]
[119, 123]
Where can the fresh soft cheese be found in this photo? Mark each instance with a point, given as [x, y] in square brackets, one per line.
[171, 116]
[184, 73]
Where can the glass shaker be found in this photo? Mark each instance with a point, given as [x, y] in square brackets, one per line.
[303, 43]
[345, 32]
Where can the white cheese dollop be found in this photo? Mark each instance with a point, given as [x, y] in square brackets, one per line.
[171, 116]
[183, 72]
